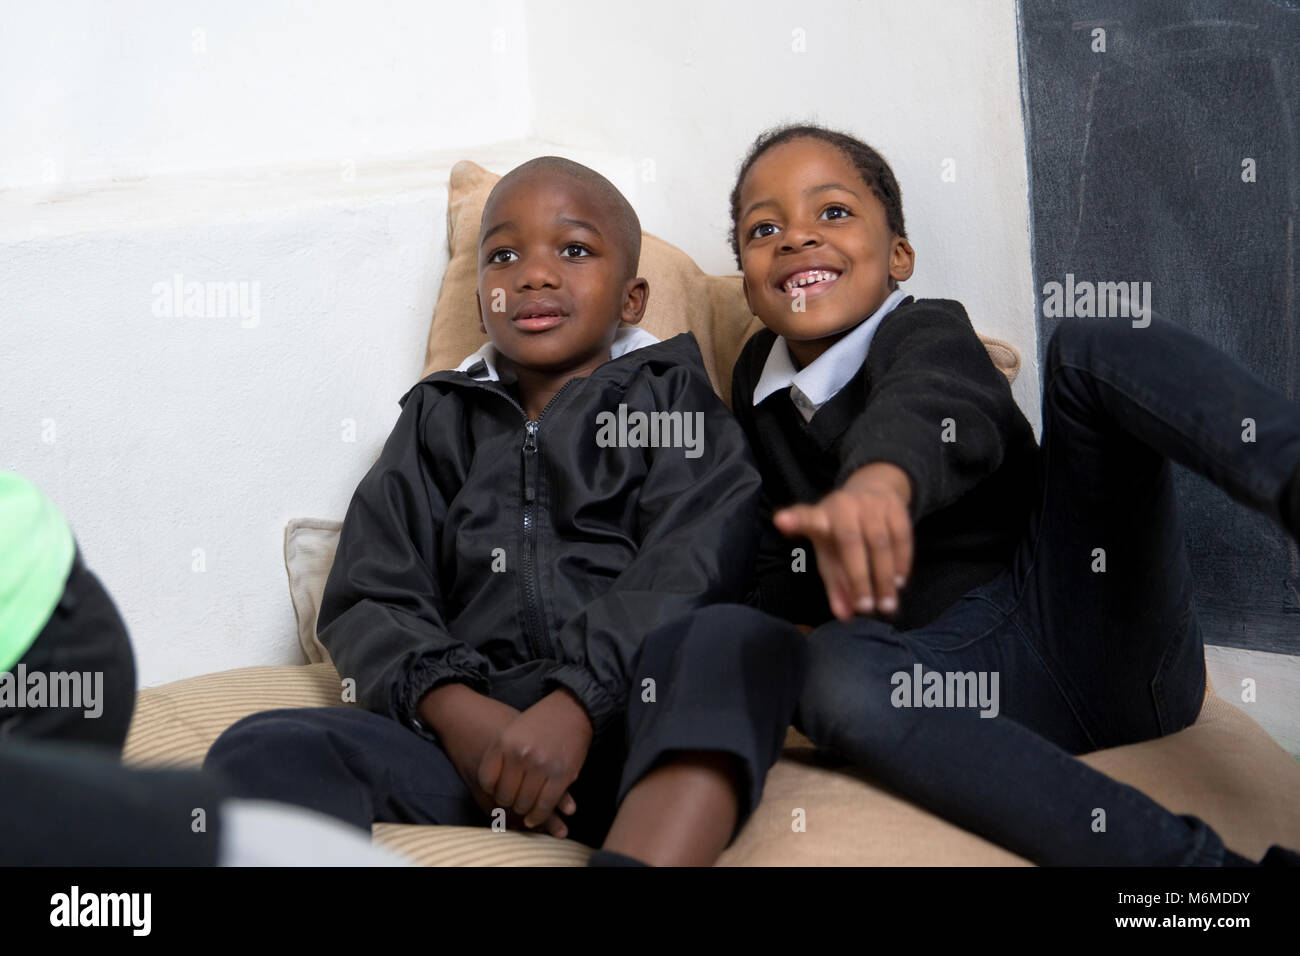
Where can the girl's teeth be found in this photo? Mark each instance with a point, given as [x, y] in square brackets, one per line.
[809, 279]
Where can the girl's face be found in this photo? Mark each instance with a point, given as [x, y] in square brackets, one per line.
[815, 246]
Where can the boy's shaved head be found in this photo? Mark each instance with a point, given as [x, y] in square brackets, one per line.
[621, 225]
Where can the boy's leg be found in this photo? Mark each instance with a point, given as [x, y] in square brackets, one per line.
[1105, 591]
[86, 640]
[702, 737]
[345, 762]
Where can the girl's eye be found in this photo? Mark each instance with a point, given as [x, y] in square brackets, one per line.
[826, 213]
[575, 250]
[757, 231]
[496, 256]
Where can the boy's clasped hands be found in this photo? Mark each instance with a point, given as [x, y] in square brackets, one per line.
[521, 762]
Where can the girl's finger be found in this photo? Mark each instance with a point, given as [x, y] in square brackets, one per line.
[881, 544]
[855, 561]
[837, 596]
[900, 529]
[801, 521]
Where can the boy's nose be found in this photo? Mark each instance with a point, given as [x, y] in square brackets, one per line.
[538, 275]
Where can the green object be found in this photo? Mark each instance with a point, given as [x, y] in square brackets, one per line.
[36, 552]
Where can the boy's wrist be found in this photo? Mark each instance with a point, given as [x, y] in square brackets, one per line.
[436, 706]
[568, 701]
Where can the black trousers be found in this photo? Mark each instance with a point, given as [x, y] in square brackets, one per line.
[64, 798]
[85, 635]
[726, 679]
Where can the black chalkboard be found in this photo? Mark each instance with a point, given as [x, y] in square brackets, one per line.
[1136, 171]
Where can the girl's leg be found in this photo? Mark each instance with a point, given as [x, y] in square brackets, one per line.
[1104, 590]
[702, 737]
[985, 744]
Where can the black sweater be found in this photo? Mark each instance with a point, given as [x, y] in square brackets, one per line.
[970, 496]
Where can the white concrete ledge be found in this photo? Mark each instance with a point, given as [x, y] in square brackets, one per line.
[238, 194]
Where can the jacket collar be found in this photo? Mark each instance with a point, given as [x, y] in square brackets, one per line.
[489, 365]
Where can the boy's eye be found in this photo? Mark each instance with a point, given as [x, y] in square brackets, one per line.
[575, 250]
[757, 231]
[842, 210]
[497, 255]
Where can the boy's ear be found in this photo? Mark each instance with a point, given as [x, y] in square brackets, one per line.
[635, 295]
[902, 260]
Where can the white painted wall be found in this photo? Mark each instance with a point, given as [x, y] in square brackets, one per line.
[92, 90]
[683, 88]
[306, 150]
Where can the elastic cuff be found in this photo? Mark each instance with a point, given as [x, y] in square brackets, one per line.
[601, 706]
[429, 673]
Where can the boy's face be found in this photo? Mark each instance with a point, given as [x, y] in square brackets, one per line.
[806, 214]
[551, 276]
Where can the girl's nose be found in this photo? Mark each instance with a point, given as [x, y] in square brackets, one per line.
[800, 238]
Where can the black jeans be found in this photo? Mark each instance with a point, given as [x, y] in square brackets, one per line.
[1084, 658]
[85, 636]
[721, 684]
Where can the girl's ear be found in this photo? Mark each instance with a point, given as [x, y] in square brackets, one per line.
[902, 260]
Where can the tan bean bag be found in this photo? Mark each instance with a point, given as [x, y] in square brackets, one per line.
[1224, 768]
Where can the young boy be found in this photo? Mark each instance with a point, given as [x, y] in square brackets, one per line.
[511, 572]
[1046, 598]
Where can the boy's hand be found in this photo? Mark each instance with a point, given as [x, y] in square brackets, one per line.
[532, 762]
[862, 534]
[466, 722]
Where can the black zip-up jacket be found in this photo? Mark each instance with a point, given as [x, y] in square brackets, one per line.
[971, 494]
[518, 557]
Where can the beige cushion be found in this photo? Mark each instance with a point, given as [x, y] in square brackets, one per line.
[309, 546]
[1224, 768]
[682, 297]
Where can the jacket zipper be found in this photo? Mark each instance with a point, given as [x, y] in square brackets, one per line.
[536, 632]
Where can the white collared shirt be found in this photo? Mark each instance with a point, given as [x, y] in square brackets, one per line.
[818, 382]
[497, 368]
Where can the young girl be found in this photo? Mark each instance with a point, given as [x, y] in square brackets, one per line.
[1036, 605]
